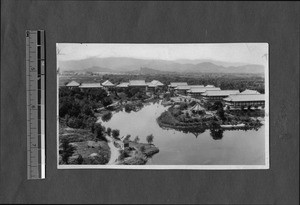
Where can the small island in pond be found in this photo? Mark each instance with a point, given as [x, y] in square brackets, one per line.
[191, 115]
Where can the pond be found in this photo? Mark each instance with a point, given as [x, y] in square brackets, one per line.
[232, 147]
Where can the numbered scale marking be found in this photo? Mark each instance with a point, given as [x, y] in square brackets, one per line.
[35, 90]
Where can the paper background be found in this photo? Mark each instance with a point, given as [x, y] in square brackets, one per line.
[276, 23]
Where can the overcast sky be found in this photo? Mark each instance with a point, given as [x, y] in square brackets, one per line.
[252, 53]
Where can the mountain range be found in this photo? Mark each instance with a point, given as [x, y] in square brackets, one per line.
[123, 64]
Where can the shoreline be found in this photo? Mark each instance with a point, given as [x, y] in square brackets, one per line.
[171, 121]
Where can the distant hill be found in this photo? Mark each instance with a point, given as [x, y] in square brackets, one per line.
[197, 61]
[147, 71]
[98, 69]
[155, 66]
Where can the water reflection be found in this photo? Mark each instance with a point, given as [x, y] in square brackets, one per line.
[216, 134]
[195, 131]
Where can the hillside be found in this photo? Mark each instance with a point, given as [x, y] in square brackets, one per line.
[181, 66]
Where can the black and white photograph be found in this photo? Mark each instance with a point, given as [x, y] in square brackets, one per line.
[163, 106]
[149, 102]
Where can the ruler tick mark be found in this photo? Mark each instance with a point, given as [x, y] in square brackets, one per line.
[35, 136]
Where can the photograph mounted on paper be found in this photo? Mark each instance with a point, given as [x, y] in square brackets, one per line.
[163, 106]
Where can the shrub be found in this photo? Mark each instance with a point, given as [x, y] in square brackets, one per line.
[150, 138]
[128, 108]
[221, 113]
[106, 101]
[116, 133]
[99, 132]
[142, 148]
[74, 122]
[108, 131]
[183, 106]
[127, 137]
[106, 117]
[192, 103]
[88, 122]
[80, 159]
[66, 151]
[136, 139]
[122, 155]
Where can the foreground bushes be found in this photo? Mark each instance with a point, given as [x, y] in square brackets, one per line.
[77, 107]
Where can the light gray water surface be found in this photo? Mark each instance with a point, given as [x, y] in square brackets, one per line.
[236, 147]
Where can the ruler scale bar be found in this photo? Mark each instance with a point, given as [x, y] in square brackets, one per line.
[35, 88]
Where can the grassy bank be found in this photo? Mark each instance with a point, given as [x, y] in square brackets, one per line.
[80, 146]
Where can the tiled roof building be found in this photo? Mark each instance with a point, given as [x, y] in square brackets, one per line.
[91, 85]
[217, 95]
[240, 100]
[73, 84]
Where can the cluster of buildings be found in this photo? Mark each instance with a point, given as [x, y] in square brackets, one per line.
[141, 84]
[230, 98]
[154, 84]
[208, 93]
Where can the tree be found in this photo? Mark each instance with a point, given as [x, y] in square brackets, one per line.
[183, 106]
[127, 137]
[142, 148]
[221, 113]
[128, 108]
[108, 131]
[99, 131]
[87, 110]
[116, 133]
[106, 101]
[80, 159]
[74, 122]
[137, 139]
[187, 115]
[217, 105]
[92, 126]
[149, 139]
[122, 155]
[67, 150]
[106, 117]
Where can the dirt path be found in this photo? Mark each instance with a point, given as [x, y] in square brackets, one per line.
[114, 152]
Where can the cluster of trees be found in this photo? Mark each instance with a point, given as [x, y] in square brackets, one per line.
[100, 132]
[106, 116]
[135, 93]
[133, 106]
[213, 106]
[77, 107]
[149, 138]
